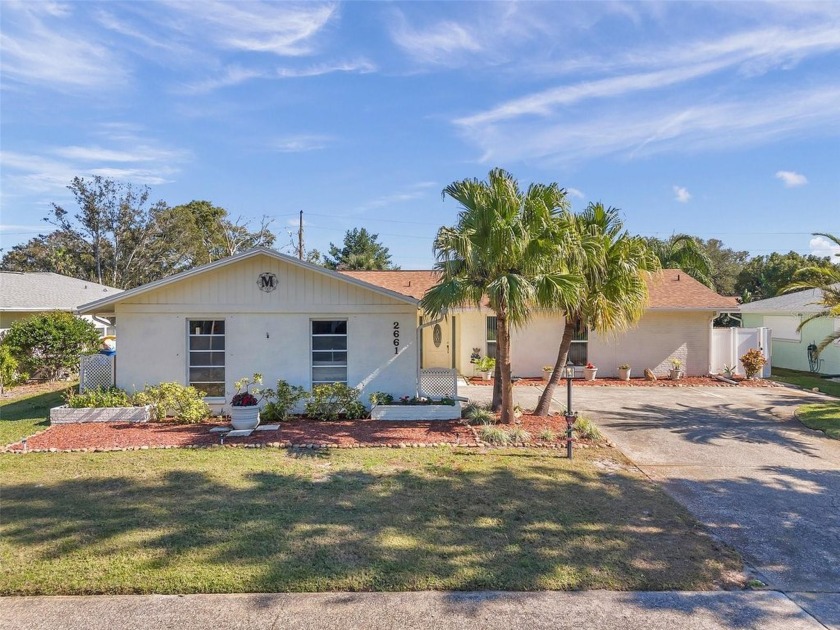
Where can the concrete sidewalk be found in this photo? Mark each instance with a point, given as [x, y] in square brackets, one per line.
[604, 610]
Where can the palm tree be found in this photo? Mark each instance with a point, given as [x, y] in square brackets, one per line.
[683, 251]
[497, 250]
[827, 281]
[614, 267]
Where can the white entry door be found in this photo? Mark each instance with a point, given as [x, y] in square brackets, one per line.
[437, 342]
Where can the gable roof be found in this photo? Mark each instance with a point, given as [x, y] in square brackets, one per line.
[799, 302]
[669, 289]
[46, 291]
[92, 307]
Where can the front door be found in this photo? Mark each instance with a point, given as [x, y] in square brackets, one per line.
[437, 345]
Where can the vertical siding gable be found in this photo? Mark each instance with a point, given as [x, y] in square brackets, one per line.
[237, 284]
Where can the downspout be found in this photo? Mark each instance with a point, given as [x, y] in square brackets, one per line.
[419, 332]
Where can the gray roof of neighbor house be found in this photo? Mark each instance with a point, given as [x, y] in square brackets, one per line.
[44, 291]
[806, 301]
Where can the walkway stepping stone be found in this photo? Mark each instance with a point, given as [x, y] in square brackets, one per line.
[240, 433]
[220, 429]
[268, 427]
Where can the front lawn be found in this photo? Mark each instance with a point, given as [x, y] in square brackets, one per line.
[272, 520]
[24, 415]
[806, 380]
[822, 417]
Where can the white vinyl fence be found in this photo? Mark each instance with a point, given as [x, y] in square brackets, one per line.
[729, 344]
[95, 371]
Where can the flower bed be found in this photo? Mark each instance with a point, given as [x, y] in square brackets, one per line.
[300, 433]
[686, 381]
[68, 415]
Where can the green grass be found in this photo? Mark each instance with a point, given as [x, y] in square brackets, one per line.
[20, 417]
[822, 417]
[806, 380]
[270, 520]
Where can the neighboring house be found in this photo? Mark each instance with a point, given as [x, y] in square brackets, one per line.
[676, 325]
[790, 349]
[262, 311]
[25, 294]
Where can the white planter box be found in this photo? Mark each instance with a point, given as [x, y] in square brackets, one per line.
[416, 412]
[66, 415]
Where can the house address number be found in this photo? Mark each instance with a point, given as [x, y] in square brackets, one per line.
[396, 337]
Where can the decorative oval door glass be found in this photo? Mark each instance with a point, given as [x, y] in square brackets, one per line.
[437, 335]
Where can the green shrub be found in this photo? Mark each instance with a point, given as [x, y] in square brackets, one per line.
[329, 401]
[9, 374]
[494, 435]
[97, 398]
[547, 435]
[185, 404]
[50, 344]
[282, 401]
[585, 428]
[356, 410]
[518, 435]
[380, 398]
[476, 414]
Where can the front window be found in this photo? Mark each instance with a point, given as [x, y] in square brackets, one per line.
[329, 351]
[207, 356]
[491, 336]
[580, 343]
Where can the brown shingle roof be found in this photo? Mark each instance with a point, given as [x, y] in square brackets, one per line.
[670, 289]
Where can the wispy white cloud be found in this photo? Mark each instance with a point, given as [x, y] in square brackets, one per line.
[131, 157]
[285, 29]
[435, 44]
[821, 246]
[791, 179]
[40, 47]
[301, 143]
[409, 193]
[666, 126]
[681, 194]
[574, 192]
[359, 66]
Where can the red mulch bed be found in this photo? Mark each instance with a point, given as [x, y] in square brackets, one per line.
[100, 435]
[687, 381]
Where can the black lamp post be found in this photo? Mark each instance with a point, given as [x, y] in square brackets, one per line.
[569, 374]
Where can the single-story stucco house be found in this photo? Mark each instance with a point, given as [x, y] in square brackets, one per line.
[262, 311]
[790, 348]
[23, 294]
[676, 325]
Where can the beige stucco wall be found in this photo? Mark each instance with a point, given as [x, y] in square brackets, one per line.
[653, 342]
[266, 332]
[658, 337]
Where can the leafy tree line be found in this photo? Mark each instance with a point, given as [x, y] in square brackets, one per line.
[732, 272]
[118, 237]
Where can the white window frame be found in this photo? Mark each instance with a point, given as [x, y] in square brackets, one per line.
[312, 366]
[190, 335]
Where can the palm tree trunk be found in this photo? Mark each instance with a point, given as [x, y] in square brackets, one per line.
[503, 358]
[544, 405]
[496, 404]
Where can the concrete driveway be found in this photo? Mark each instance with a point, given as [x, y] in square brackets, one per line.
[744, 466]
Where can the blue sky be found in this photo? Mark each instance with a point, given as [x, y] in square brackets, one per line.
[720, 120]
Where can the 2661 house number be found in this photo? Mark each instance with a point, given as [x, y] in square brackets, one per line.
[396, 337]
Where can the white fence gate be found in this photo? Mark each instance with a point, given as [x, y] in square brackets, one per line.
[730, 344]
[96, 371]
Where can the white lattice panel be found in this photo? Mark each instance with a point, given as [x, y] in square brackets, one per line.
[96, 371]
[438, 383]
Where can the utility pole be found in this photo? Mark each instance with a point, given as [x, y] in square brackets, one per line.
[300, 236]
